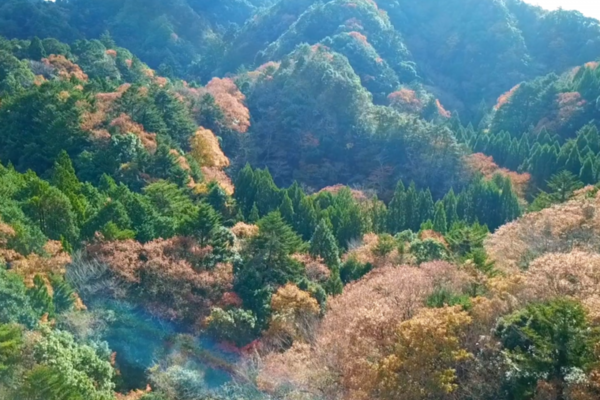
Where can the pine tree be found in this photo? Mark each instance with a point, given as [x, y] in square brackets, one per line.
[439, 221]
[254, 216]
[593, 137]
[306, 218]
[287, 209]
[202, 223]
[63, 175]
[396, 212]
[450, 207]
[411, 208]
[245, 190]
[266, 264]
[324, 245]
[426, 206]
[217, 198]
[509, 201]
[65, 179]
[573, 163]
[562, 186]
[296, 194]
[588, 175]
[378, 215]
[334, 285]
[267, 195]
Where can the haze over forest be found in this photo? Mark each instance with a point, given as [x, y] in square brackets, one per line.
[299, 200]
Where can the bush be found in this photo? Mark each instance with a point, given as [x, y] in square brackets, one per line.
[353, 270]
[428, 250]
[443, 297]
[236, 326]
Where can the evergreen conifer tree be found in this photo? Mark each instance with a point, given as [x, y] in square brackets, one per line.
[588, 175]
[306, 218]
[426, 206]
[245, 190]
[396, 213]
[440, 223]
[411, 208]
[286, 208]
[324, 245]
[254, 215]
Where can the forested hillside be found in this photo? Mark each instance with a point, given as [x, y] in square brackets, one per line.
[298, 199]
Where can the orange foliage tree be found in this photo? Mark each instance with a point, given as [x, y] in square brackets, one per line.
[505, 97]
[124, 125]
[441, 110]
[406, 100]
[170, 274]
[355, 334]
[65, 68]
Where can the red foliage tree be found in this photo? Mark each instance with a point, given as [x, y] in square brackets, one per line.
[168, 277]
[231, 101]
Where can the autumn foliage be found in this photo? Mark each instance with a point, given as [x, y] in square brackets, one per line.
[206, 150]
[560, 228]
[65, 69]
[505, 97]
[485, 165]
[231, 102]
[356, 333]
[441, 110]
[406, 100]
[124, 125]
[170, 273]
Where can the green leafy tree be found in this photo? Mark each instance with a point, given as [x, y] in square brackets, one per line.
[235, 326]
[50, 209]
[15, 305]
[36, 49]
[385, 245]
[547, 342]
[428, 250]
[69, 370]
[352, 270]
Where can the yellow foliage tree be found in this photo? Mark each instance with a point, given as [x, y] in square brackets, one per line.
[425, 357]
[295, 313]
[206, 150]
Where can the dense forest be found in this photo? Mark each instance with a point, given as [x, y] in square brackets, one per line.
[298, 200]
